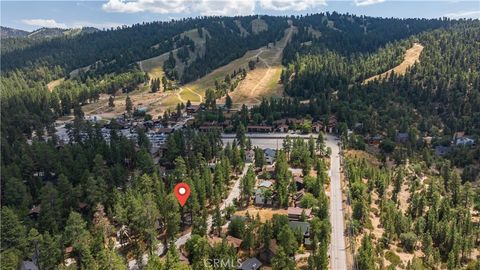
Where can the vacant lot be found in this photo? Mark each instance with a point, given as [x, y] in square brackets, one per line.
[264, 213]
[412, 56]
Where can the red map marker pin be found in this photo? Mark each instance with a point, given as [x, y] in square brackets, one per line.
[182, 191]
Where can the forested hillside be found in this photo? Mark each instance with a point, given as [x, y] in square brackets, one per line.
[104, 197]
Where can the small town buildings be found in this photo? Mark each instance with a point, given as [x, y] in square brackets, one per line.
[259, 128]
[210, 128]
[295, 213]
[250, 264]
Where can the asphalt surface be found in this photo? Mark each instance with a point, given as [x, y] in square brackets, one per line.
[338, 258]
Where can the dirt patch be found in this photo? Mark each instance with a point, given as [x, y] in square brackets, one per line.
[264, 80]
[51, 85]
[411, 57]
[264, 213]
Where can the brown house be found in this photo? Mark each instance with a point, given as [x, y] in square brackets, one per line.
[295, 213]
[261, 129]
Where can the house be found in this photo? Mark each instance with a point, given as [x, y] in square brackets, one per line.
[295, 213]
[210, 128]
[282, 128]
[304, 229]
[298, 197]
[269, 155]
[441, 150]
[374, 140]
[192, 109]
[260, 129]
[317, 127]
[234, 242]
[402, 137]
[269, 252]
[28, 265]
[464, 141]
[265, 184]
[298, 182]
[458, 135]
[260, 198]
[35, 211]
[332, 123]
[250, 264]
[249, 156]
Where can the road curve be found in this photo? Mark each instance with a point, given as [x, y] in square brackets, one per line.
[338, 258]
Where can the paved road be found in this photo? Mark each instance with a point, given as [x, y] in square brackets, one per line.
[338, 258]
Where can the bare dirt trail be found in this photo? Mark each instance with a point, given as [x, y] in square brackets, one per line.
[411, 57]
[263, 81]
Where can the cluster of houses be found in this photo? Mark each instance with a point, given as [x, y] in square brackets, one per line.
[459, 139]
[283, 126]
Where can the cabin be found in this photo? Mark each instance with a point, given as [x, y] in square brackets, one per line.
[298, 182]
[269, 155]
[35, 211]
[250, 264]
[304, 229]
[374, 140]
[260, 199]
[295, 213]
[269, 252]
[234, 242]
[192, 109]
[332, 123]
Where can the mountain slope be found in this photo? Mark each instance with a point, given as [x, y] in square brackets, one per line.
[7, 32]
